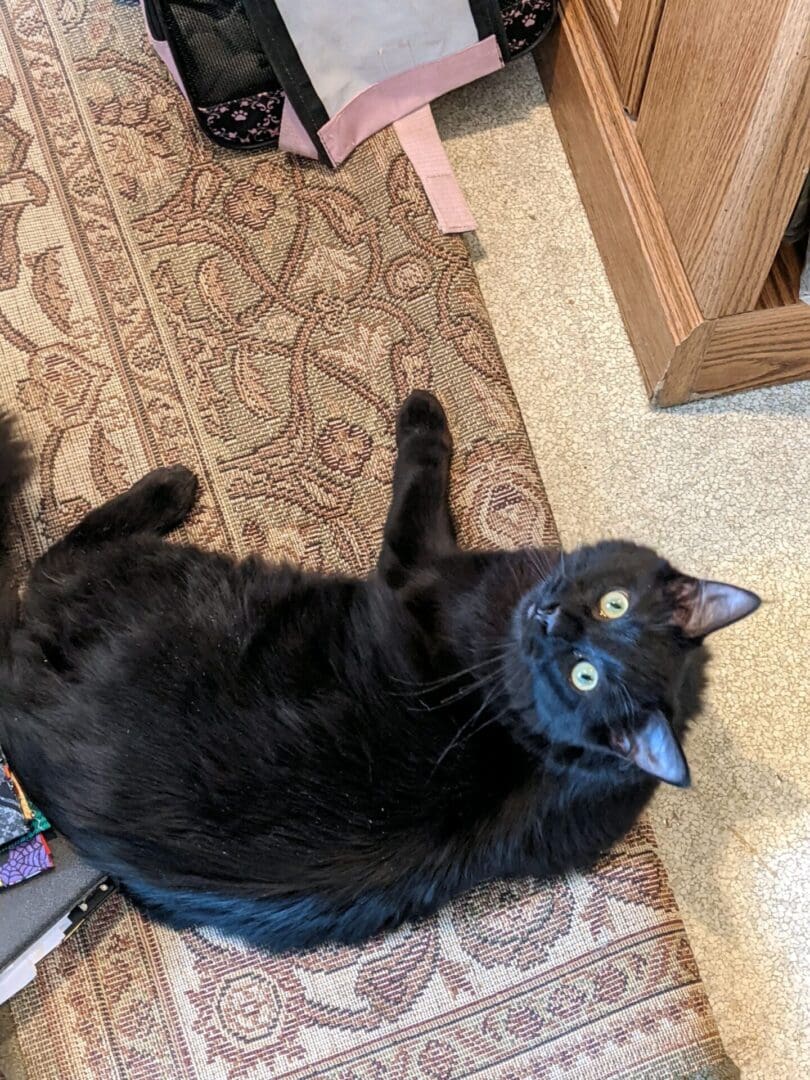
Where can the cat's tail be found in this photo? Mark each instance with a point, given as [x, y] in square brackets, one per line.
[15, 467]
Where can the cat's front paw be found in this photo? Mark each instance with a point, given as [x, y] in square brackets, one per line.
[422, 414]
[164, 497]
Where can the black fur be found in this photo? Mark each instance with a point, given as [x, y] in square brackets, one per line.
[15, 466]
[295, 758]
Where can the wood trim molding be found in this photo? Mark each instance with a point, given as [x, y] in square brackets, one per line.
[604, 17]
[638, 26]
[675, 388]
[654, 294]
[755, 348]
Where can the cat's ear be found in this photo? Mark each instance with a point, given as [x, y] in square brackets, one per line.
[701, 607]
[655, 749]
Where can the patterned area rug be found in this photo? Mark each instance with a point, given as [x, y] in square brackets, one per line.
[260, 320]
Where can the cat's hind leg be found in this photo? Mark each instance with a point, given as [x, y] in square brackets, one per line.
[157, 503]
[419, 527]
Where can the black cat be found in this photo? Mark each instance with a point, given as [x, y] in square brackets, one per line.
[297, 759]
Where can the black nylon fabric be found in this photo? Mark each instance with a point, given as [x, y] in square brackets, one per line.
[283, 55]
[488, 21]
[216, 49]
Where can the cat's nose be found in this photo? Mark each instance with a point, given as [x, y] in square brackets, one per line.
[548, 619]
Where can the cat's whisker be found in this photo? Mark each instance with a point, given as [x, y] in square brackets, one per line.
[421, 687]
[459, 695]
[626, 698]
[518, 583]
[490, 677]
[506, 688]
[461, 731]
[483, 676]
[540, 563]
[483, 683]
[488, 722]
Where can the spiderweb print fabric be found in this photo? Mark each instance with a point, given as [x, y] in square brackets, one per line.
[24, 852]
[25, 860]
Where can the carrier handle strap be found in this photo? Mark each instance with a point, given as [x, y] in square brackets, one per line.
[420, 140]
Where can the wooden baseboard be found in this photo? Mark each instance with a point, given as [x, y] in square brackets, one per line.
[682, 355]
[755, 348]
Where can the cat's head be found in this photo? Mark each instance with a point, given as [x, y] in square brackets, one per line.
[610, 650]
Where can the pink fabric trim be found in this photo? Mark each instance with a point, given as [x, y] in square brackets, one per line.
[387, 101]
[420, 140]
[165, 53]
[293, 136]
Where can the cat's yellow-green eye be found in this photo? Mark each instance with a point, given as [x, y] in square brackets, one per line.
[614, 604]
[584, 676]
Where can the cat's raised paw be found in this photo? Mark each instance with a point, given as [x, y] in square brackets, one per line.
[422, 413]
[164, 497]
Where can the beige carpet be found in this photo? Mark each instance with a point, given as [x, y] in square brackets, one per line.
[721, 487]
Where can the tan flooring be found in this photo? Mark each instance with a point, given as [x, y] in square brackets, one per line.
[721, 489]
